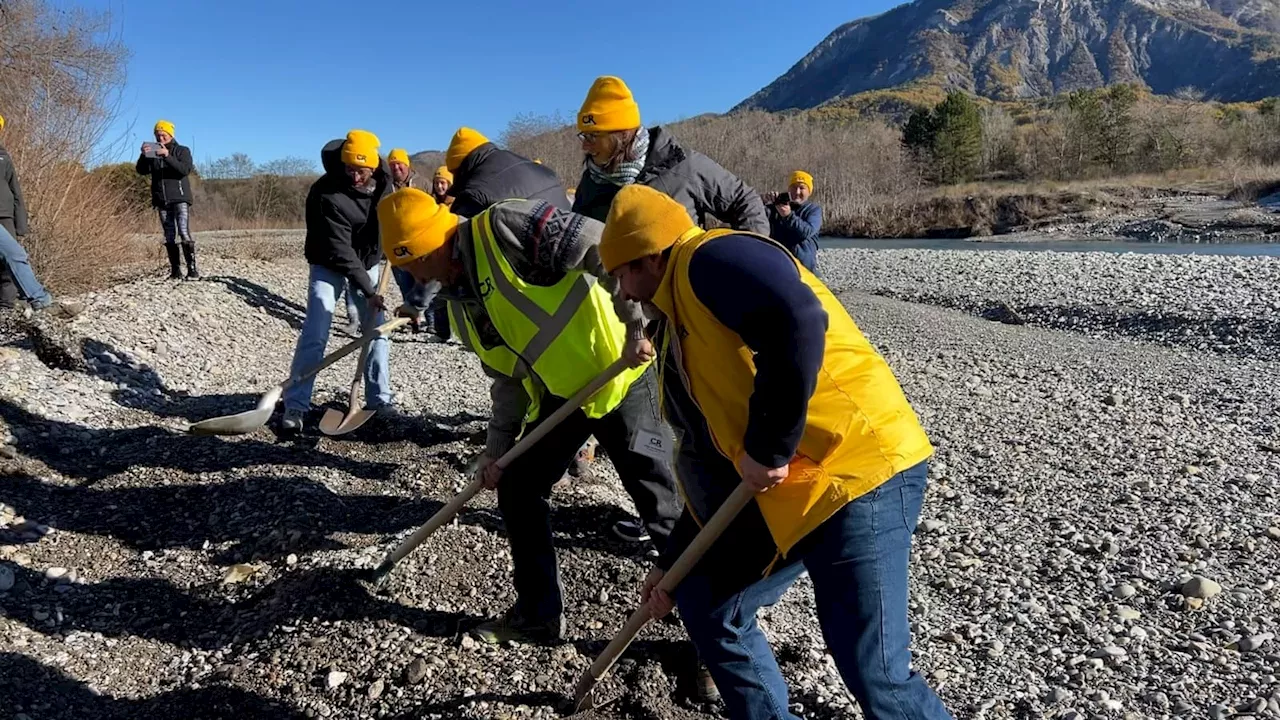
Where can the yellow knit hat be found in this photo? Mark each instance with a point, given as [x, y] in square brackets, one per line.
[361, 149]
[641, 222]
[442, 173]
[164, 126]
[1, 122]
[608, 107]
[399, 155]
[800, 176]
[463, 142]
[412, 225]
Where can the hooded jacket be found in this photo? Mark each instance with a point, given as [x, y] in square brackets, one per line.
[690, 178]
[12, 206]
[798, 232]
[490, 174]
[342, 226]
[169, 183]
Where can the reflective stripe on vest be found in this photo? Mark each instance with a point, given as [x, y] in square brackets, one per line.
[566, 333]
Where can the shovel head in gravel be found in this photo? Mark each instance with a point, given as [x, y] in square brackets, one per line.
[247, 422]
[334, 421]
[378, 576]
[583, 699]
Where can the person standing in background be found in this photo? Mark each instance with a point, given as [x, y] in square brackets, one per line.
[169, 164]
[13, 218]
[441, 183]
[795, 220]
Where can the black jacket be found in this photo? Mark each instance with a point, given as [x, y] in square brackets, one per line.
[169, 183]
[12, 205]
[690, 178]
[342, 222]
[490, 175]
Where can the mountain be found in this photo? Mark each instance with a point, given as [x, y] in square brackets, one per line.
[1228, 50]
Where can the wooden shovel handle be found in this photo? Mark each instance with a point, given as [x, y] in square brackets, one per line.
[360, 342]
[705, 538]
[383, 275]
[446, 513]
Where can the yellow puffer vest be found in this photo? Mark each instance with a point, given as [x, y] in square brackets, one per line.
[860, 430]
[567, 333]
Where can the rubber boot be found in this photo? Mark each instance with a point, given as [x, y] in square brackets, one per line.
[175, 264]
[189, 251]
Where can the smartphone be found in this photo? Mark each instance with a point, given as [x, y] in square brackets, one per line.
[150, 149]
[783, 198]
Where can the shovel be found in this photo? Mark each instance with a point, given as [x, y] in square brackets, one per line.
[582, 699]
[378, 576]
[251, 420]
[334, 421]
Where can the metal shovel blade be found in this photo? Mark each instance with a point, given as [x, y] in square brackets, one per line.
[335, 422]
[240, 423]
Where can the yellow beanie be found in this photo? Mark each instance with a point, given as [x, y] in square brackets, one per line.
[800, 176]
[463, 142]
[1, 122]
[164, 126]
[399, 155]
[412, 225]
[361, 149]
[608, 107]
[442, 173]
[641, 222]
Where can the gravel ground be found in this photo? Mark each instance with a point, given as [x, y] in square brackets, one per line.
[1203, 302]
[1099, 539]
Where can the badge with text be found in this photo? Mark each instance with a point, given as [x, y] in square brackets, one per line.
[656, 443]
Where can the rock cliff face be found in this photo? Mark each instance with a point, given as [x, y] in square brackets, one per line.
[1012, 49]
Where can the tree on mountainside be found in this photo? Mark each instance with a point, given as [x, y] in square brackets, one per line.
[948, 138]
[235, 165]
[292, 166]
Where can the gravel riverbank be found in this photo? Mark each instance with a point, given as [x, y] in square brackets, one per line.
[1100, 537]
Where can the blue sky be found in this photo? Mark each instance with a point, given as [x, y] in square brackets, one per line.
[280, 77]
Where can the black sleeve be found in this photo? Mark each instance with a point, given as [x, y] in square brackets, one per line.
[342, 251]
[144, 164]
[179, 160]
[19, 203]
[753, 287]
[469, 204]
[682, 534]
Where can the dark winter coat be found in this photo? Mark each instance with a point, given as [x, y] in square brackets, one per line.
[12, 206]
[692, 179]
[798, 232]
[490, 174]
[342, 222]
[169, 183]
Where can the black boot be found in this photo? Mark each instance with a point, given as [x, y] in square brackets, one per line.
[189, 251]
[175, 265]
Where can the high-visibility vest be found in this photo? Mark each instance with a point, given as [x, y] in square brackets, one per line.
[567, 333]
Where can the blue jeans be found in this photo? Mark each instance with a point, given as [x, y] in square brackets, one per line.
[323, 289]
[12, 253]
[857, 560]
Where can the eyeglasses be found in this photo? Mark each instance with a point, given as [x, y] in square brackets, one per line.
[588, 137]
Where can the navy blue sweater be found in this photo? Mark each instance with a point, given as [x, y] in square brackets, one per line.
[754, 289]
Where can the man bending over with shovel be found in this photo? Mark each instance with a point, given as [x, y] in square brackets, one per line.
[772, 384]
[343, 250]
[527, 294]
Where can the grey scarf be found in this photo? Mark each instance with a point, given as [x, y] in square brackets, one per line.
[626, 172]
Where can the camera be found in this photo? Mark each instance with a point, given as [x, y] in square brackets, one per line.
[783, 198]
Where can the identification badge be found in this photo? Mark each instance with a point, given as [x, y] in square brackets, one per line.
[657, 443]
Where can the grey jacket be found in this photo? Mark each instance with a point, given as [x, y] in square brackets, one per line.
[691, 178]
[542, 243]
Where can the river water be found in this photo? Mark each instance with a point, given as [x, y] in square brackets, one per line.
[1246, 249]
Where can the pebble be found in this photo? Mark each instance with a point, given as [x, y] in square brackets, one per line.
[1124, 591]
[55, 573]
[1201, 588]
[1253, 642]
[376, 689]
[7, 578]
[334, 679]
[415, 671]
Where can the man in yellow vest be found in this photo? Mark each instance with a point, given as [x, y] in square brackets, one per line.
[526, 292]
[771, 383]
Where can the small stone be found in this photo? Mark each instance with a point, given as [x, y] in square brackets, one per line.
[1126, 613]
[1056, 695]
[376, 689]
[604, 595]
[7, 578]
[1191, 470]
[334, 679]
[415, 671]
[1124, 591]
[1253, 642]
[1112, 705]
[1219, 712]
[1113, 400]
[1099, 696]
[468, 642]
[291, 560]
[55, 574]
[933, 526]
[1194, 603]
[1200, 587]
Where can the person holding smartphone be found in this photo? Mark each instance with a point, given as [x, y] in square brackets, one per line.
[169, 163]
[795, 220]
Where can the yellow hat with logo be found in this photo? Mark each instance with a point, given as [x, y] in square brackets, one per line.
[164, 126]
[399, 155]
[802, 177]
[413, 225]
[641, 222]
[361, 149]
[609, 106]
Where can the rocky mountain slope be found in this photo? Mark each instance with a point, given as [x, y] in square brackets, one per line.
[1014, 49]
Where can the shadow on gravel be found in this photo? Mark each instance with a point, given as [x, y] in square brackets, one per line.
[212, 616]
[258, 296]
[265, 518]
[144, 390]
[47, 692]
[91, 454]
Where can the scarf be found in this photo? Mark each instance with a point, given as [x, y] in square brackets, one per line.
[626, 172]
